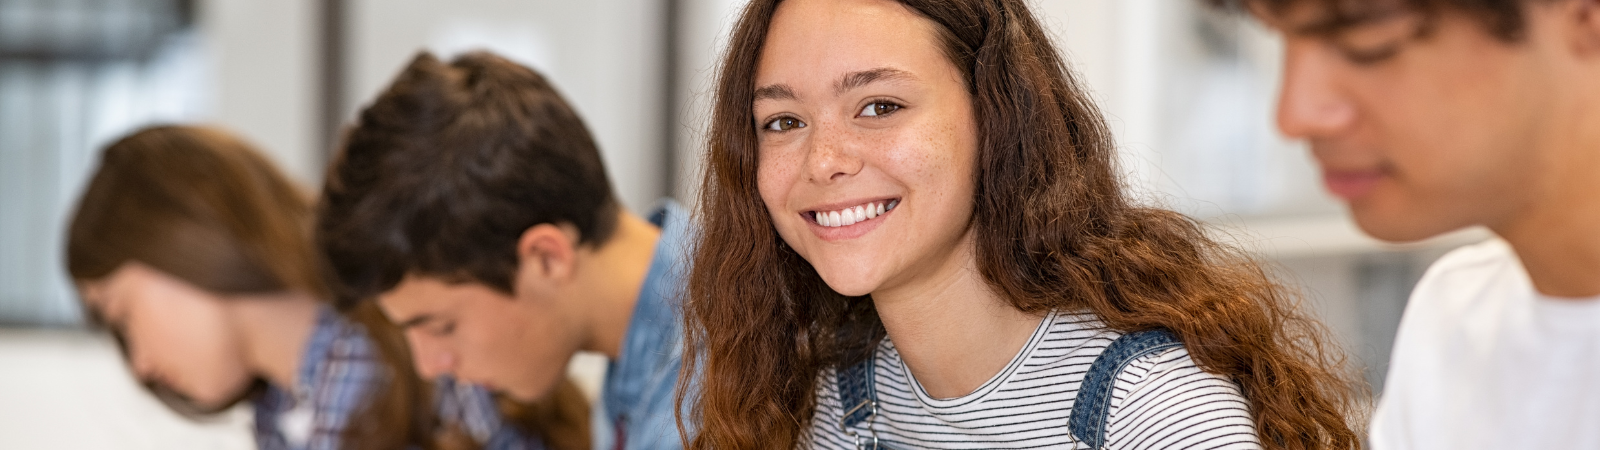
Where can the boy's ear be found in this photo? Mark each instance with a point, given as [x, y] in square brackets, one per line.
[547, 252]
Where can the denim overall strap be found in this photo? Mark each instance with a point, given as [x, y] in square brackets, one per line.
[1089, 411]
[858, 395]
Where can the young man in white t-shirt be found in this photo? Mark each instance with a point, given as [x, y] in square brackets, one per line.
[1432, 115]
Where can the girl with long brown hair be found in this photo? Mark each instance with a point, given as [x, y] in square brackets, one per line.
[915, 237]
[196, 253]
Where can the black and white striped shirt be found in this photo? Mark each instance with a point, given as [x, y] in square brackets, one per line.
[1161, 401]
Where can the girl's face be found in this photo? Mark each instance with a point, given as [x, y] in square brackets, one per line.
[177, 335]
[867, 143]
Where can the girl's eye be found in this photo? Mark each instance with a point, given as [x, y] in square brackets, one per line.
[784, 124]
[876, 109]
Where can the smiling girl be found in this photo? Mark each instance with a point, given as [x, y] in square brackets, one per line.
[915, 237]
[196, 253]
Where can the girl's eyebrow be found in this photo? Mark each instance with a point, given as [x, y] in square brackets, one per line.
[854, 80]
[846, 83]
[774, 92]
[93, 315]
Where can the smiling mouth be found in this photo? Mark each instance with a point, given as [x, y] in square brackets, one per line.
[852, 215]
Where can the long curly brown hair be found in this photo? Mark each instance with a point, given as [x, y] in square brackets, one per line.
[1055, 230]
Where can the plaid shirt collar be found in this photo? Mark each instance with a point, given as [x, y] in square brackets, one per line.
[337, 370]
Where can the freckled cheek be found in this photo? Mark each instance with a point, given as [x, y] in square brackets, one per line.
[775, 178]
[935, 161]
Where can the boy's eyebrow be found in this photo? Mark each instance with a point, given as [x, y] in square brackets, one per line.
[415, 321]
[1335, 22]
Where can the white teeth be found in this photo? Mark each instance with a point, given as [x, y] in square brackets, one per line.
[853, 215]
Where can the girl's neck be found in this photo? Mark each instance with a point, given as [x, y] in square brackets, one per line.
[275, 330]
[951, 328]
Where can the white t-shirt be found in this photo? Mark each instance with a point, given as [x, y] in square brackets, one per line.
[1159, 401]
[1483, 361]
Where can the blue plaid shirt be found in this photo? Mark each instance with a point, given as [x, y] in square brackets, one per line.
[337, 372]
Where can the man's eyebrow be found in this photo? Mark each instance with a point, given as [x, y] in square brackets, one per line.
[854, 80]
[1337, 21]
[415, 321]
[774, 92]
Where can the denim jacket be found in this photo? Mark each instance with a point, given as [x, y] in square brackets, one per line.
[636, 410]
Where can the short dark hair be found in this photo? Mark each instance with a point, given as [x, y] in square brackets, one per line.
[442, 174]
[1503, 19]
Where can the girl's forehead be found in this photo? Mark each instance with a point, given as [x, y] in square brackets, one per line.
[810, 32]
[91, 291]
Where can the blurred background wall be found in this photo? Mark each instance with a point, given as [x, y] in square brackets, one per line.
[1188, 92]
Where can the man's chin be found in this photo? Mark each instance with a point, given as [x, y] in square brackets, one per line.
[1398, 226]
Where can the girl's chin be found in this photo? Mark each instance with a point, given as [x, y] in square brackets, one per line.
[850, 288]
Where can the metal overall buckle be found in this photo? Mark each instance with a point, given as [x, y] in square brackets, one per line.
[872, 416]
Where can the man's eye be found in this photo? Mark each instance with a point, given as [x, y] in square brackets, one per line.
[444, 329]
[1370, 55]
[784, 124]
[1378, 39]
[876, 109]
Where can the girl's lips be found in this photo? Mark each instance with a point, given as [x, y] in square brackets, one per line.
[849, 222]
[851, 214]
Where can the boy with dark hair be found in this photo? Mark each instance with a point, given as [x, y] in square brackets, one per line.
[471, 204]
[1432, 115]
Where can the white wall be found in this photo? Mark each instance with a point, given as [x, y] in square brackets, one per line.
[264, 60]
[603, 55]
[702, 38]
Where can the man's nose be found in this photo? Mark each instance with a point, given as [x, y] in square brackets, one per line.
[1312, 103]
[431, 359]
